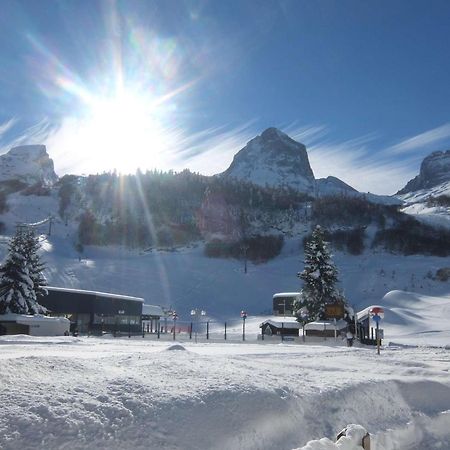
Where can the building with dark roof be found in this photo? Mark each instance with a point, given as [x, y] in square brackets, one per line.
[95, 312]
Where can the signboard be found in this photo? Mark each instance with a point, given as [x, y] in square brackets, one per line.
[376, 318]
[377, 310]
[334, 311]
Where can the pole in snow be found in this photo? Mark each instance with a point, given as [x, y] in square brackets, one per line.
[244, 316]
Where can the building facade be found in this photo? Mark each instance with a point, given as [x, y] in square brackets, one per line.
[95, 312]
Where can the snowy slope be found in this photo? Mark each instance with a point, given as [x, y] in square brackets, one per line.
[432, 181]
[186, 278]
[416, 319]
[416, 205]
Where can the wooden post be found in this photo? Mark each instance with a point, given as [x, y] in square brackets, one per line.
[225, 334]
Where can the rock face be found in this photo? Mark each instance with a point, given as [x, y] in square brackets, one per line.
[332, 186]
[434, 170]
[29, 164]
[273, 159]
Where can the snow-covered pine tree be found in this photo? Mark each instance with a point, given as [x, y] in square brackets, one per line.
[319, 279]
[17, 289]
[35, 264]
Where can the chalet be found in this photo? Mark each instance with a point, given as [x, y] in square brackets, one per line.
[280, 327]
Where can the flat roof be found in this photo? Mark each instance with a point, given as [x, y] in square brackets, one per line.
[99, 294]
[286, 294]
[152, 310]
[282, 323]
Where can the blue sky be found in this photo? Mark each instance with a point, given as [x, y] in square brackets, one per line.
[174, 84]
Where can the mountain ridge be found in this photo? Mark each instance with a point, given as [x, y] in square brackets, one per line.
[273, 159]
[28, 163]
[434, 170]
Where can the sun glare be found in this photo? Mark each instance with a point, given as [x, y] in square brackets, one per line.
[124, 130]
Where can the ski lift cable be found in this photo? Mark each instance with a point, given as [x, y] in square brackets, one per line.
[24, 225]
[35, 224]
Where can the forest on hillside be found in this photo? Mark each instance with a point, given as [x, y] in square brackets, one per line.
[234, 218]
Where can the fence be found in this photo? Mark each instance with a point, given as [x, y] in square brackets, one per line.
[212, 331]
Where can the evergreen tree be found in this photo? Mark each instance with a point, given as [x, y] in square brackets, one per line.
[319, 278]
[18, 277]
[35, 265]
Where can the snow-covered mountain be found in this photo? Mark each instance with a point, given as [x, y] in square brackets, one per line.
[29, 164]
[434, 171]
[332, 185]
[273, 159]
[427, 195]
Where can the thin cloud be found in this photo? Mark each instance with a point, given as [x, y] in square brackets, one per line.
[354, 162]
[6, 126]
[306, 134]
[35, 134]
[422, 140]
[211, 151]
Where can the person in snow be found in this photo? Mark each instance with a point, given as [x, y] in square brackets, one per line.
[350, 338]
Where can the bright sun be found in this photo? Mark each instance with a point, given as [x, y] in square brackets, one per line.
[124, 130]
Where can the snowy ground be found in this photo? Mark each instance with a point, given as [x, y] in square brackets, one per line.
[106, 393]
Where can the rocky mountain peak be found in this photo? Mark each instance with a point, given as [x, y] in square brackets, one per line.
[434, 170]
[28, 163]
[273, 159]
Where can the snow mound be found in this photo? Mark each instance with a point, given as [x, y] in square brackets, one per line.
[25, 339]
[416, 319]
[175, 347]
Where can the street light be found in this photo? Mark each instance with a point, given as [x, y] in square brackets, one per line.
[197, 313]
[174, 317]
[244, 249]
[244, 316]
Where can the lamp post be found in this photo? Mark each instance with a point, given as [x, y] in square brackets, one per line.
[197, 313]
[244, 316]
[174, 317]
[377, 313]
[244, 249]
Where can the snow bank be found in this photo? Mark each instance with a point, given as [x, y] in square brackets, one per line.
[416, 319]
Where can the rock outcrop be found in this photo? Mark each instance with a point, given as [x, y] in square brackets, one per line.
[29, 164]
